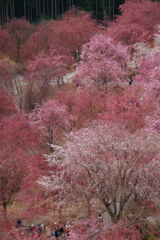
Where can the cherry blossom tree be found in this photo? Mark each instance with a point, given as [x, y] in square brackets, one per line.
[64, 36]
[7, 106]
[137, 23]
[88, 104]
[19, 31]
[74, 29]
[148, 77]
[45, 67]
[127, 107]
[7, 76]
[103, 61]
[39, 41]
[6, 45]
[53, 121]
[20, 146]
[43, 71]
[84, 104]
[11, 81]
[90, 228]
[105, 163]
[7, 90]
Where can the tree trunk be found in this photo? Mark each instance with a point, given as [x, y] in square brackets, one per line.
[48, 9]
[97, 9]
[113, 10]
[31, 15]
[62, 7]
[116, 207]
[5, 206]
[39, 9]
[52, 9]
[24, 3]
[2, 14]
[44, 11]
[103, 11]
[109, 10]
[36, 7]
[55, 6]
[13, 9]
[7, 17]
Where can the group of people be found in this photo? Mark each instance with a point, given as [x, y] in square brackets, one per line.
[60, 230]
[57, 230]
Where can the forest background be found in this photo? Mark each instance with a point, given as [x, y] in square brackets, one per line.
[35, 10]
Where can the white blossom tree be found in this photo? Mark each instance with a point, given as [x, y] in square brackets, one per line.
[105, 164]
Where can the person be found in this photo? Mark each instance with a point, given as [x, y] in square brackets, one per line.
[77, 56]
[39, 228]
[100, 219]
[43, 226]
[18, 223]
[32, 228]
[21, 231]
[67, 227]
[48, 230]
[35, 235]
[55, 225]
[56, 233]
[61, 230]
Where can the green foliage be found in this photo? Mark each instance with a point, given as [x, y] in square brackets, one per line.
[31, 3]
[151, 238]
[158, 224]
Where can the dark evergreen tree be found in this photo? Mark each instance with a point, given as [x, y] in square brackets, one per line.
[35, 10]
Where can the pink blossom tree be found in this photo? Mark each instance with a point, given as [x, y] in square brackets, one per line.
[64, 36]
[72, 31]
[39, 41]
[103, 61]
[88, 104]
[45, 67]
[105, 163]
[7, 106]
[127, 107]
[19, 146]
[84, 104]
[137, 23]
[11, 82]
[53, 121]
[148, 77]
[90, 228]
[7, 76]
[43, 71]
[19, 31]
[6, 45]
